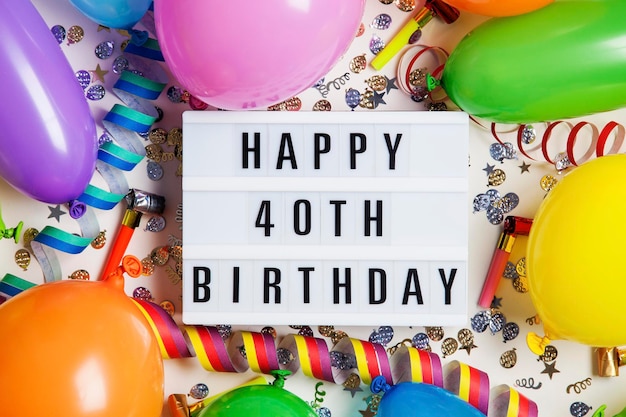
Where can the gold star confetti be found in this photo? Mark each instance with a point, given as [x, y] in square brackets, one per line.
[99, 73]
[524, 167]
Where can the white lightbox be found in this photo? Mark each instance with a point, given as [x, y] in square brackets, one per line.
[343, 218]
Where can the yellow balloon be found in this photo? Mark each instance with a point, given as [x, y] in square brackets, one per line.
[575, 257]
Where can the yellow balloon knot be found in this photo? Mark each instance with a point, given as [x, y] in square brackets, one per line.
[536, 343]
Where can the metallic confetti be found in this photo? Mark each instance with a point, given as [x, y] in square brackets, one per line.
[358, 63]
[495, 215]
[147, 266]
[84, 78]
[155, 224]
[405, 5]
[75, 34]
[80, 274]
[28, 236]
[175, 136]
[417, 77]
[120, 64]
[59, 33]
[104, 138]
[510, 271]
[353, 98]
[466, 337]
[323, 412]
[386, 1]
[382, 336]
[154, 152]
[481, 202]
[284, 356]
[420, 341]
[419, 93]
[480, 321]
[562, 162]
[342, 361]
[104, 49]
[510, 331]
[578, 386]
[497, 151]
[579, 409]
[22, 258]
[549, 354]
[509, 151]
[337, 336]
[527, 383]
[520, 284]
[168, 306]
[449, 346]
[306, 331]
[381, 22]
[376, 45]
[199, 391]
[160, 255]
[528, 134]
[496, 322]
[100, 240]
[377, 82]
[154, 170]
[322, 105]
[497, 177]
[367, 99]
[158, 135]
[325, 331]
[508, 202]
[547, 182]
[508, 359]
[361, 30]
[224, 330]
[435, 333]
[353, 381]
[142, 293]
[175, 94]
[520, 267]
[95, 92]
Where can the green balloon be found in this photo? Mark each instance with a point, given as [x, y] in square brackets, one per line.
[565, 60]
[258, 401]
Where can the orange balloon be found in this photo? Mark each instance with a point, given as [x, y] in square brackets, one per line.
[78, 349]
[498, 7]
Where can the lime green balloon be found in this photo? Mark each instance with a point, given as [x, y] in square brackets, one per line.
[258, 401]
[565, 60]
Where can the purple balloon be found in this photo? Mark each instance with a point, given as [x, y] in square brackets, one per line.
[48, 141]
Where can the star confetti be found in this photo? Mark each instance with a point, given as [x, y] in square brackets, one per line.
[99, 73]
[56, 212]
[524, 167]
[550, 369]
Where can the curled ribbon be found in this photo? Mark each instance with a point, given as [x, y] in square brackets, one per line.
[136, 87]
[572, 154]
[259, 352]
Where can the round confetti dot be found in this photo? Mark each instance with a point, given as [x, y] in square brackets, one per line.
[104, 49]
[377, 83]
[405, 5]
[75, 34]
[175, 94]
[520, 284]
[120, 64]
[496, 177]
[80, 274]
[154, 170]
[95, 92]
[449, 346]
[285, 357]
[155, 224]
[199, 391]
[435, 333]
[547, 182]
[466, 337]
[160, 256]
[495, 215]
[84, 78]
[358, 64]
[529, 134]
[22, 258]
[142, 293]
[520, 267]
[497, 151]
[381, 22]
[510, 331]
[147, 266]
[99, 241]
[168, 306]
[420, 341]
[175, 136]
[508, 359]
[59, 33]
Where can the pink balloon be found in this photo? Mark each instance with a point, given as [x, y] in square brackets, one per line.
[241, 55]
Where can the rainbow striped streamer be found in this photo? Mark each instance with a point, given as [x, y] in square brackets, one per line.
[124, 123]
[470, 384]
[258, 351]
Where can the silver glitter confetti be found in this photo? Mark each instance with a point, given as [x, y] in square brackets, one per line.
[381, 22]
[59, 33]
[155, 224]
[509, 151]
[579, 409]
[496, 322]
[199, 391]
[155, 170]
[84, 78]
[104, 49]
[95, 92]
[284, 356]
[510, 331]
[120, 64]
[562, 162]
[353, 98]
[481, 202]
[510, 271]
[323, 412]
[175, 94]
[382, 336]
[493, 194]
[480, 321]
[497, 152]
[528, 135]
[376, 44]
[495, 215]
[420, 341]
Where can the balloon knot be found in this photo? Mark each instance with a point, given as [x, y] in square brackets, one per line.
[138, 37]
[536, 343]
[379, 384]
[77, 209]
[432, 82]
[280, 375]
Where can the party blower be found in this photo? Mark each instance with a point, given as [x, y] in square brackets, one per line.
[575, 258]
